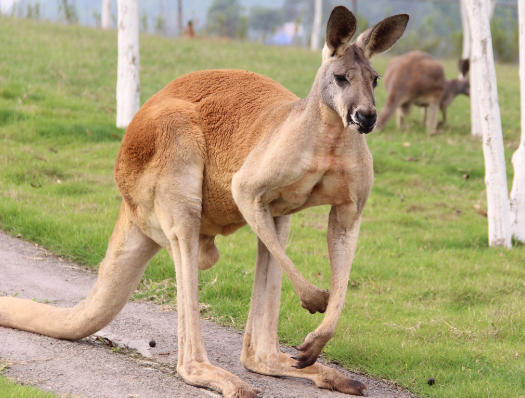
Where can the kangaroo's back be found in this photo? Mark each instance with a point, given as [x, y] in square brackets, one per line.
[414, 78]
[414, 74]
[216, 115]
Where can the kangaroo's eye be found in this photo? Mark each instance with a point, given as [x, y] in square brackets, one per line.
[340, 78]
[374, 84]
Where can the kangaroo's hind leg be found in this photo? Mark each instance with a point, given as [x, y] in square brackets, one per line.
[432, 118]
[402, 112]
[178, 207]
[387, 112]
[261, 353]
[127, 256]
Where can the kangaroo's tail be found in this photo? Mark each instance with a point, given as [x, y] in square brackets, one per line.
[128, 254]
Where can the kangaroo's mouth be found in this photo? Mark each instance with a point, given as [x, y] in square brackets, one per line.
[362, 128]
[365, 130]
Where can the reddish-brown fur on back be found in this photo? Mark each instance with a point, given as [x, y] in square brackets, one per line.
[228, 112]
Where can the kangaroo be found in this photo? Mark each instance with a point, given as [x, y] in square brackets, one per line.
[417, 78]
[219, 149]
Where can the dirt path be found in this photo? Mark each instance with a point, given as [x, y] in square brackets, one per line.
[88, 368]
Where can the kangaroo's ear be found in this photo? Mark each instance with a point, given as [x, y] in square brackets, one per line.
[464, 66]
[340, 28]
[382, 36]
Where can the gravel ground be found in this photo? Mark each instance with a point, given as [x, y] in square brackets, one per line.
[90, 368]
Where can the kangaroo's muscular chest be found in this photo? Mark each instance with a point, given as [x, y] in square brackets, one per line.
[224, 116]
[338, 171]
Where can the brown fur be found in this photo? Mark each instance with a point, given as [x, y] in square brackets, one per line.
[416, 78]
[233, 109]
[216, 150]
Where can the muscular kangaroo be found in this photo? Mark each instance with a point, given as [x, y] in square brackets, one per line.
[219, 149]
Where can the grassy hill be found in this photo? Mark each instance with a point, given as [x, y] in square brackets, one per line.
[426, 298]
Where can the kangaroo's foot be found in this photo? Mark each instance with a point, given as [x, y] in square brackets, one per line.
[310, 350]
[280, 364]
[203, 374]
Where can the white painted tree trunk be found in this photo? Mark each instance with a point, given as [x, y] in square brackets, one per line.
[495, 173]
[316, 30]
[128, 81]
[179, 17]
[466, 31]
[491, 6]
[475, 115]
[517, 196]
[105, 15]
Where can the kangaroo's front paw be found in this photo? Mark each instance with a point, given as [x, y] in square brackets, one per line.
[310, 350]
[316, 301]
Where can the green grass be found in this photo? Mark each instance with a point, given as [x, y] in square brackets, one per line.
[427, 297]
[10, 389]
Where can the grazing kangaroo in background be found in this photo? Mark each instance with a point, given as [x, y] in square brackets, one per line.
[219, 149]
[417, 78]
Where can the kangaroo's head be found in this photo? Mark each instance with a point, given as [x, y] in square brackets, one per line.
[346, 77]
[463, 79]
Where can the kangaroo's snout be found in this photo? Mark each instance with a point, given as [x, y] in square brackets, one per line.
[366, 120]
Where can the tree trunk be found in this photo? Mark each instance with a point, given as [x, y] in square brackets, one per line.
[316, 30]
[517, 196]
[491, 6]
[475, 116]
[179, 17]
[105, 15]
[466, 31]
[128, 82]
[495, 173]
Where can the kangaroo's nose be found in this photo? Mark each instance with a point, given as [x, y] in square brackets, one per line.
[366, 120]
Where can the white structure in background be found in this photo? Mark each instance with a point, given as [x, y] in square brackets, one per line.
[466, 30]
[495, 173]
[475, 116]
[517, 196]
[105, 14]
[6, 6]
[180, 25]
[128, 81]
[316, 30]
[286, 35]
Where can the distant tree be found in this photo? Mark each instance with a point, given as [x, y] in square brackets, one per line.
[316, 29]
[179, 18]
[128, 81]
[265, 19]
[302, 12]
[362, 23]
[144, 22]
[105, 18]
[294, 9]
[224, 19]
[68, 9]
[33, 10]
[505, 37]
[160, 24]
[160, 20]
